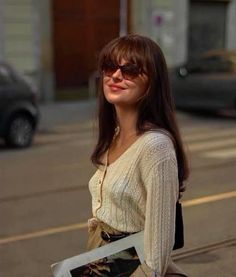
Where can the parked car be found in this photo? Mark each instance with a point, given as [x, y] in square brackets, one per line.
[207, 83]
[19, 112]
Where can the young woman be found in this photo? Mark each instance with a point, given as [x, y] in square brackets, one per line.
[140, 158]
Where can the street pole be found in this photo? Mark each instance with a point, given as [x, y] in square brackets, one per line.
[123, 17]
[2, 38]
[46, 74]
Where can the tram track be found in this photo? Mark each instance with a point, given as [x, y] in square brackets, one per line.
[183, 254]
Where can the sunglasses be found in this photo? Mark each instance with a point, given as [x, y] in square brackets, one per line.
[129, 71]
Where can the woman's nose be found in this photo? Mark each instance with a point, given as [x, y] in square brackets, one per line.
[117, 75]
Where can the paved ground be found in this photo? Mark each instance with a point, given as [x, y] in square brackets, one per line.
[217, 263]
[222, 259]
[44, 188]
[63, 113]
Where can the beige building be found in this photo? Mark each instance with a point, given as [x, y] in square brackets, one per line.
[25, 41]
[33, 39]
[185, 28]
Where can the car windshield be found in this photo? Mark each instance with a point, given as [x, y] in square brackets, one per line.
[6, 75]
[212, 64]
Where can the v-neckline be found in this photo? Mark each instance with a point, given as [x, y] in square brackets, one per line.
[122, 154]
[107, 165]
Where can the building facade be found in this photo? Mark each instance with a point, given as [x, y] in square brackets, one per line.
[186, 28]
[56, 42]
[25, 41]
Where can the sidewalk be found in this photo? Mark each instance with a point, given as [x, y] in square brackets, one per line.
[62, 113]
[217, 263]
[76, 112]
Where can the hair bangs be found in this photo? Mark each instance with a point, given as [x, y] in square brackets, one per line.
[131, 49]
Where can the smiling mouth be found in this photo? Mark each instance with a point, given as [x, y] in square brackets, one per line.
[114, 87]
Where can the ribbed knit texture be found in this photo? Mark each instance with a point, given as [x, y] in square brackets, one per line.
[139, 192]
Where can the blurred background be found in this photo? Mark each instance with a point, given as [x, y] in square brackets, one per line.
[56, 42]
[48, 84]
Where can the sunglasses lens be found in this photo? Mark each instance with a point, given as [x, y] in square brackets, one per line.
[109, 68]
[130, 71]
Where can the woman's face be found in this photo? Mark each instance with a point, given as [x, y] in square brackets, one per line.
[120, 87]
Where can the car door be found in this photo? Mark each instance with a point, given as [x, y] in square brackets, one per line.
[190, 86]
[206, 84]
[4, 97]
[6, 91]
[225, 83]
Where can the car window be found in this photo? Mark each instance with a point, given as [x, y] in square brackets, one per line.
[213, 64]
[5, 76]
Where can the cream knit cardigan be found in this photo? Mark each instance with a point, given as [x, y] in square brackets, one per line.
[139, 192]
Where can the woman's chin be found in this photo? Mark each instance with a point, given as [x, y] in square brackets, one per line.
[116, 100]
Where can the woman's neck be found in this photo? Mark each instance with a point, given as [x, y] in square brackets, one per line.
[127, 120]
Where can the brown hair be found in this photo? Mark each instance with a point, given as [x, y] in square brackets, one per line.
[156, 107]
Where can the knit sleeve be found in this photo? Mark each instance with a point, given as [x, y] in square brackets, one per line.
[161, 182]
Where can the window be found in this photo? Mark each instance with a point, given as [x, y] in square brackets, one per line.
[5, 76]
[213, 64]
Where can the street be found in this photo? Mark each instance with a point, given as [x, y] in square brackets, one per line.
[45, 203]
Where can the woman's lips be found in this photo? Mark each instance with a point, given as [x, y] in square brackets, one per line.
[116, 87]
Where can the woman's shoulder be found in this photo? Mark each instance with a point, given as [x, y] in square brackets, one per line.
[156, 134]
[157, 143]
[157, 137]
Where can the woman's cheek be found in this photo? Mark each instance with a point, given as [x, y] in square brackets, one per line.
[106, 92]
